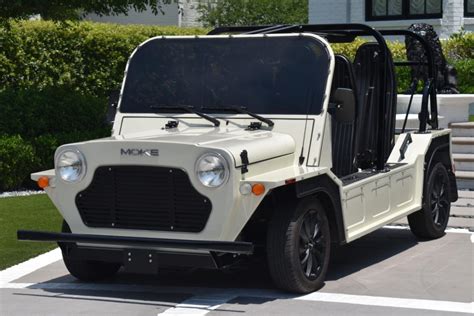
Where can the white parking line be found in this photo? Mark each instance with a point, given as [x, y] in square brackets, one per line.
[208, 299]
[29, 266]
[448, 230]
[198, 305]
[409, 303]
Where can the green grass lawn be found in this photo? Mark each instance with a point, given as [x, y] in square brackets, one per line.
[35, 212]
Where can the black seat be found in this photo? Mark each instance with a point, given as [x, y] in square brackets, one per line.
[370, 83]
[343, 133]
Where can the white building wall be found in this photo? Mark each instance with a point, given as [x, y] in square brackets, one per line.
[190, 14]
[353, 11]
[184, 13]
[170, 17]
[453, 15]
[358, 11]
[334, 11]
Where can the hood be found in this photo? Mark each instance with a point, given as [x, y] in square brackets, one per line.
[260, 144]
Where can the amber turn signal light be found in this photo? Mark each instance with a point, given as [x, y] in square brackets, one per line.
[43, 182]
[258, 189]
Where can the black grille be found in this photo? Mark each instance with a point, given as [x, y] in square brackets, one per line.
[137, 197]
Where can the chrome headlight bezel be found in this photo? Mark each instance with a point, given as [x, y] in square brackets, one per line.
[80, 158]
[225, 168]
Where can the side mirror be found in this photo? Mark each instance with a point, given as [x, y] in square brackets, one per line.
[112, 108]
[342, 105]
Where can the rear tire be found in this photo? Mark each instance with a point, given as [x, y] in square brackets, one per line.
[431, 221]
[298, 246]
[87, 270]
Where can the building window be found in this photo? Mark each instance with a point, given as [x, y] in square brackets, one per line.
[406, 9]
[469, 8]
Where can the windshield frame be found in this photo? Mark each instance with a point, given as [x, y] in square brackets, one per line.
[321, 41]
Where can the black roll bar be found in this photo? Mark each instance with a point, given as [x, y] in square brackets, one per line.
[409, 63]
[433, 121]
[239, 29]
[412, 90]
[421, 40]
[347, 33]
[266, 29]
[423, 116]
[337, 30]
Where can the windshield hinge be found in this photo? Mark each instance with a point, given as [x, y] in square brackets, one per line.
[254, 126]
[245, 161]
[171, 124]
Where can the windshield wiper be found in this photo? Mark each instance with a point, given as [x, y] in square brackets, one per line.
[242, 111]
[188, 109]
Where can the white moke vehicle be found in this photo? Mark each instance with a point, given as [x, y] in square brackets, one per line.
[264, 143]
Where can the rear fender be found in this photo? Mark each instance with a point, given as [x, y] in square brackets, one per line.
[440, 151]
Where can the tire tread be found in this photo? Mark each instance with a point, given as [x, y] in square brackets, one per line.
[280, 250]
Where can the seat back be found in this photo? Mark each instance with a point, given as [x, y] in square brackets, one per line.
[368, 74]
[343, 132]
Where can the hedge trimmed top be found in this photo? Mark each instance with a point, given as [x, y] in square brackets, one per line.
[91, 57]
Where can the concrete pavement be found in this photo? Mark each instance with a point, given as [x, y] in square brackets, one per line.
[461, 215]
[388, 271]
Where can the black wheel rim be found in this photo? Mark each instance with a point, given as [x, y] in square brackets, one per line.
[312, 247]
[439, 200]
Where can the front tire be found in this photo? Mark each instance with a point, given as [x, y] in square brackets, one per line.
[87, 270]
[298, 246]
[431, 221]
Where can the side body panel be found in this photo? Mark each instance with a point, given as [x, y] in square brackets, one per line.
[382, 198]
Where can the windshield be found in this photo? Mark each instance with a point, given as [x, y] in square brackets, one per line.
[274, 75]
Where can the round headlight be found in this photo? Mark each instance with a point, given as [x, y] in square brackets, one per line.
[71, 165]
[212, 170]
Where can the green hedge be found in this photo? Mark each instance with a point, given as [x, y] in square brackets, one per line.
[40, 121]
[465, 69]
[17, 156]
[54, 83]
[55, 79]
[45, 145]
[91, 57]
[32, 112]
[88, 56]
[459, 52]
[459, 46]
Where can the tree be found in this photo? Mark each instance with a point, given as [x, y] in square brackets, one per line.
[74, 9]
[251, 12]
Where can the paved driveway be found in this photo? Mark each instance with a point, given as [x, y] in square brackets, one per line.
[386, 272]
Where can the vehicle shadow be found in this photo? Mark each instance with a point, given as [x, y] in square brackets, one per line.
[369, 250]
[345, 260]
[358, 255]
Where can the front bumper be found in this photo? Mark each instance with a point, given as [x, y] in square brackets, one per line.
[235, 247]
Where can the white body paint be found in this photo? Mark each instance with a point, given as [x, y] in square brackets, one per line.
[366, 204]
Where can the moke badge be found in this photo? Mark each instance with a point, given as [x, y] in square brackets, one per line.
[137, 152]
